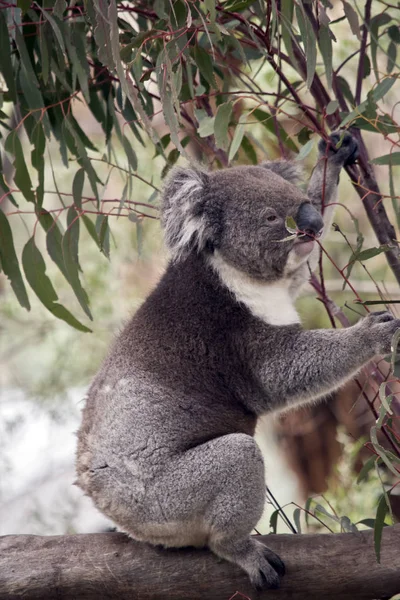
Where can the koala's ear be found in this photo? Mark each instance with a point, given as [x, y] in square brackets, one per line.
[183, 212]
[287, 169]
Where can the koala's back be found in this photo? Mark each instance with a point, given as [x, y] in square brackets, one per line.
[169, 383]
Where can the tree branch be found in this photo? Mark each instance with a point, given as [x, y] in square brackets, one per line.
[111, 566]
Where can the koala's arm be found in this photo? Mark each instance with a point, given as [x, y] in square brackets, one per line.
[296, 366]
[322, 189]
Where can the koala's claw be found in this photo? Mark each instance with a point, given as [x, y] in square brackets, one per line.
[276, 563]
[347, 154]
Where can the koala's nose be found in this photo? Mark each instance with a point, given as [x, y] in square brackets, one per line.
[309, 220]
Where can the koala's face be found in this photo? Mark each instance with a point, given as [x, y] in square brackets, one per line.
[255, 203]
[241, 213]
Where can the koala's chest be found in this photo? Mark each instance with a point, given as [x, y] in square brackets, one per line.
[271, 302]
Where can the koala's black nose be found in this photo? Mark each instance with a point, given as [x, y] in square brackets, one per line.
[309, 220]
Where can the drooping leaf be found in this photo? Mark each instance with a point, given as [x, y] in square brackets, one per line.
[370, 253]
[352, 18]
[6, 67]
[69, 252]
[366, 468]
[237, 137]
[377, 21]
[325, 46]
[103, 232]
[9, 262]
[332, 107]
[205, 65]
[306, 149]
[267, 120]
[387, 159]
[221, 125]
[382, 452]
[21, 176]
[35, 272]
[249, 150]
[381, 513]
[77, 187]
[309, 41]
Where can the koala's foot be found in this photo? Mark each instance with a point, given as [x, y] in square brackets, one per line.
[346, 155]
[263, 566]
[380, 328]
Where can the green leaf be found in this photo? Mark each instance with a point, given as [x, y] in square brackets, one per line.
[21, 177]
[210, 5]
[377, 94]
[309, 42]
[367, 522]
[266, 119]
[6, 67]
[29, 82]
[352, 18]
[9, 262]
[55, 24]
[296, 519]
[381, 513]
[386, 400]
[24, 5]
[237, 137]
[205, 65]
[379, 20]
[130, 154]
[325, 46]
[39, 142]
[70, 256]
[394, 33]
[344, 87]
[83, 158]
[387, 159]
[238, 5]
[383, 87]
[332, 107]
[138, 41]
[102, 33]
[383, 453]
[366, 468]
[221, 125]
[249, 150]
[290, 225]
[35, 272]
[370, 253]
[53, 240]
[103, 232]
[90, 226]
[77, 187]
[392, 56]
[273, 521]
[305, 150]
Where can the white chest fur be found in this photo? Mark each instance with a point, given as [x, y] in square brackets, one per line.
[271, 302]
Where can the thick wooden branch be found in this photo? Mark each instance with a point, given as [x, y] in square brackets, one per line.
[112, 566]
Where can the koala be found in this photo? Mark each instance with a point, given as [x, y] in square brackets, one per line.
[166, 446]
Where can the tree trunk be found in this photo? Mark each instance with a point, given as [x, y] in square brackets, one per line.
[110, 565]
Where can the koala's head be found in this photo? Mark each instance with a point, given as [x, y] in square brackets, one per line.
[241, 214]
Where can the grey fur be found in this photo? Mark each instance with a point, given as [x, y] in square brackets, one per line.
[166, 445]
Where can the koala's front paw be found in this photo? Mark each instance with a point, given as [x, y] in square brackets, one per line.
[380, 328]
[347, 154]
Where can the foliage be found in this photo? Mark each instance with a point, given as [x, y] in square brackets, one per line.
[188, 77]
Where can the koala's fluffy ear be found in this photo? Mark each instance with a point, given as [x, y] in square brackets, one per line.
[285, 168]
[183, 212]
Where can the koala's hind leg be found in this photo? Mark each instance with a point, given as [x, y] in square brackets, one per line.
[220, 487]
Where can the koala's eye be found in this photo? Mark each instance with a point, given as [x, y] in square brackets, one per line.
[272, 218]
